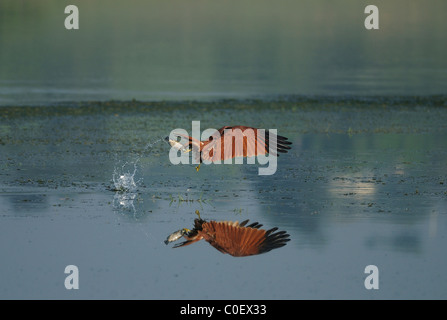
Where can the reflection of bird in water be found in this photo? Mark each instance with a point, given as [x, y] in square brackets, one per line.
[234, 238]
[223, 144]
[176, 235]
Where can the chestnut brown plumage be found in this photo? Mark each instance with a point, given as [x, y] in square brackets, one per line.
[235, 141]
[234, 238]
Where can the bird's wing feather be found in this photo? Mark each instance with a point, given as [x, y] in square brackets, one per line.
[241, 141]
[231, 142]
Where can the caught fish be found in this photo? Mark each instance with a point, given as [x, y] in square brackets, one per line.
[176, 235]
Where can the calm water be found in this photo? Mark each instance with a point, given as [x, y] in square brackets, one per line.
[365, 182]
[147, 50]
[361, 186]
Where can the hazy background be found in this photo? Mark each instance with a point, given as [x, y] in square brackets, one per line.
[176, 50]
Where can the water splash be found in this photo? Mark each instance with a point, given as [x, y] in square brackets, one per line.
[125, 181]
[125, 202]
[151, 144]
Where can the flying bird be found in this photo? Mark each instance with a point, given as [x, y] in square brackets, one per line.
[233, 141]
[234, 238]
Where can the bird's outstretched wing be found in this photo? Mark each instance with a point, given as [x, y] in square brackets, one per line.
[241, 141]
[239, 240]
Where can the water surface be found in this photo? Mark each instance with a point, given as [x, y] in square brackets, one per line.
[361, 186]
[364, 184]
